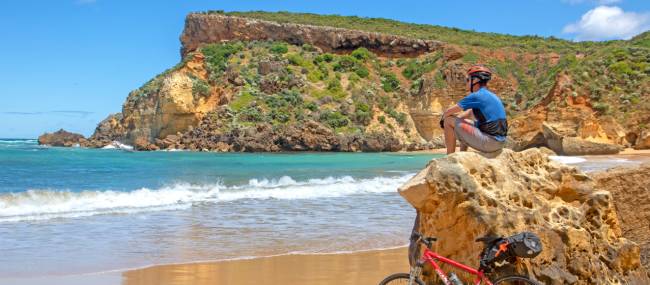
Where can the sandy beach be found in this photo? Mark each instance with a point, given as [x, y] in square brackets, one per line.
[366, 267]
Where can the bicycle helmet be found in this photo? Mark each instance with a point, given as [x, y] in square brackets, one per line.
[479, 72]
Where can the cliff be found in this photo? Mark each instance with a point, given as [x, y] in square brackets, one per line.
[465, 196]
[282, 75]
[201, 29]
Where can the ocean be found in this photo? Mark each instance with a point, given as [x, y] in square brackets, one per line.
[68, 211]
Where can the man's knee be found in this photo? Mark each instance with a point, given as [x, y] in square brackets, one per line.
[450, 122]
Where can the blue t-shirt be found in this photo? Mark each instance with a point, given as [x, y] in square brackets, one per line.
[487, 107]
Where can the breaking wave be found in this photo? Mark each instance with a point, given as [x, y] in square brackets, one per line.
[567, 159]
[49, 204]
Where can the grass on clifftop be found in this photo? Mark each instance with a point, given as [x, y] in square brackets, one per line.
[423, 31]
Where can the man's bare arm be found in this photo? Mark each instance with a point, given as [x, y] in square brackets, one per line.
[451, 111]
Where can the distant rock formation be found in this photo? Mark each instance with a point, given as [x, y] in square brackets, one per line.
[61, 138]
[464, 196]
[547, 104]
[213, 28]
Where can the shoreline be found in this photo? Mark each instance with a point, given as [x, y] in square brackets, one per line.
[358, 267]
[367, 266]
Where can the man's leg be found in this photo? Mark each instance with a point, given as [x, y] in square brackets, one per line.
[450, 135]
[463, 146]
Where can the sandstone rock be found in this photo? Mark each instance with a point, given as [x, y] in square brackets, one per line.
[310, 135]
[630, 188]
[643, 140]
[465, 196]
[213, 28]
[565, 145]
[61, 138]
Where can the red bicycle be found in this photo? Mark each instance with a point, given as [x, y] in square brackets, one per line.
[430, 257]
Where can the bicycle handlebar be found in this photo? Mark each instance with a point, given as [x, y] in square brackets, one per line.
[428, 241]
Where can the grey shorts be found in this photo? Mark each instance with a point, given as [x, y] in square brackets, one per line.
[470, 135]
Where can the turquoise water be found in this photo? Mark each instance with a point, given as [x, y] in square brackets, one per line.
[73, 210]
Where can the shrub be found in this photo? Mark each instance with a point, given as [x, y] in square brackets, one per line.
[398, 116]
[382, 119]
[362, 54]
[621, 68]
[362, 113]
[389, 82]
[279, 48]
[311, 106]
[308, 47]
[415, 69]
[601, 107]
[362, 71]
[217, 55]
[243, 100]
[345, 63]
[326, 57]
[251, 114]
[292, 97]
[334, 84]
[296, 59]
[281, 115]
[200, 87]
[315, 76]
[334, 119]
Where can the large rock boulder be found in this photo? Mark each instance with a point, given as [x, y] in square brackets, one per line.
[465, 196]
[643, 140]
[61, 138]
[569, 145]
[631, 190]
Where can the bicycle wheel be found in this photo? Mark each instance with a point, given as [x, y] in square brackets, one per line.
[515, 280]
[399, 279]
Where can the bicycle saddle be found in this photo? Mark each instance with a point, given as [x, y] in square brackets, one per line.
[488, 239]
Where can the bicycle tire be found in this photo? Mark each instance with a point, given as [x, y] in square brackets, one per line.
[514, 280]
[399, 278]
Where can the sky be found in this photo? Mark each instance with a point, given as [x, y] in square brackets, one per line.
[70, 63]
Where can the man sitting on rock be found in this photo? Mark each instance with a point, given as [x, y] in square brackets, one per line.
[478, 120]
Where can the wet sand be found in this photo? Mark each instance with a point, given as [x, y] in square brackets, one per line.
[366, 267]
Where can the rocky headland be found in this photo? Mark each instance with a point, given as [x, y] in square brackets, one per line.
[291, 82]
[593, 229]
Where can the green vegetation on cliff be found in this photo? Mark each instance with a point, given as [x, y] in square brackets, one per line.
[280, 87]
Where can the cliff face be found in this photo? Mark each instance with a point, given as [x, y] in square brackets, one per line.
[464, 196]
[361, 85]
[201, 29]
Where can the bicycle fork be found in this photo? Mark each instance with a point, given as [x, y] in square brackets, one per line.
[414, 274]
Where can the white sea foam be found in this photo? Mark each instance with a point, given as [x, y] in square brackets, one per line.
[567, 159]
[118, 145]
[49, 204]
[17, 141]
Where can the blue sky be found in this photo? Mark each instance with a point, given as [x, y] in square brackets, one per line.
[69, 63]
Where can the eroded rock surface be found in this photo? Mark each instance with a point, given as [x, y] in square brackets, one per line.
[631, 190]
[213, 28]
[464, 196]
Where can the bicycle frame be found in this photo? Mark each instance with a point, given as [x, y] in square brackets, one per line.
[431, 257]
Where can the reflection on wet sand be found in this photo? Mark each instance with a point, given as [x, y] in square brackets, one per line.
[367, 267]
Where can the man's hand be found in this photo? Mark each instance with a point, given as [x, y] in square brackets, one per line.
[451, 111]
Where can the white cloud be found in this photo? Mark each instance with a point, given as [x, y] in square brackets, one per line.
[599, 2]
[608, 23]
